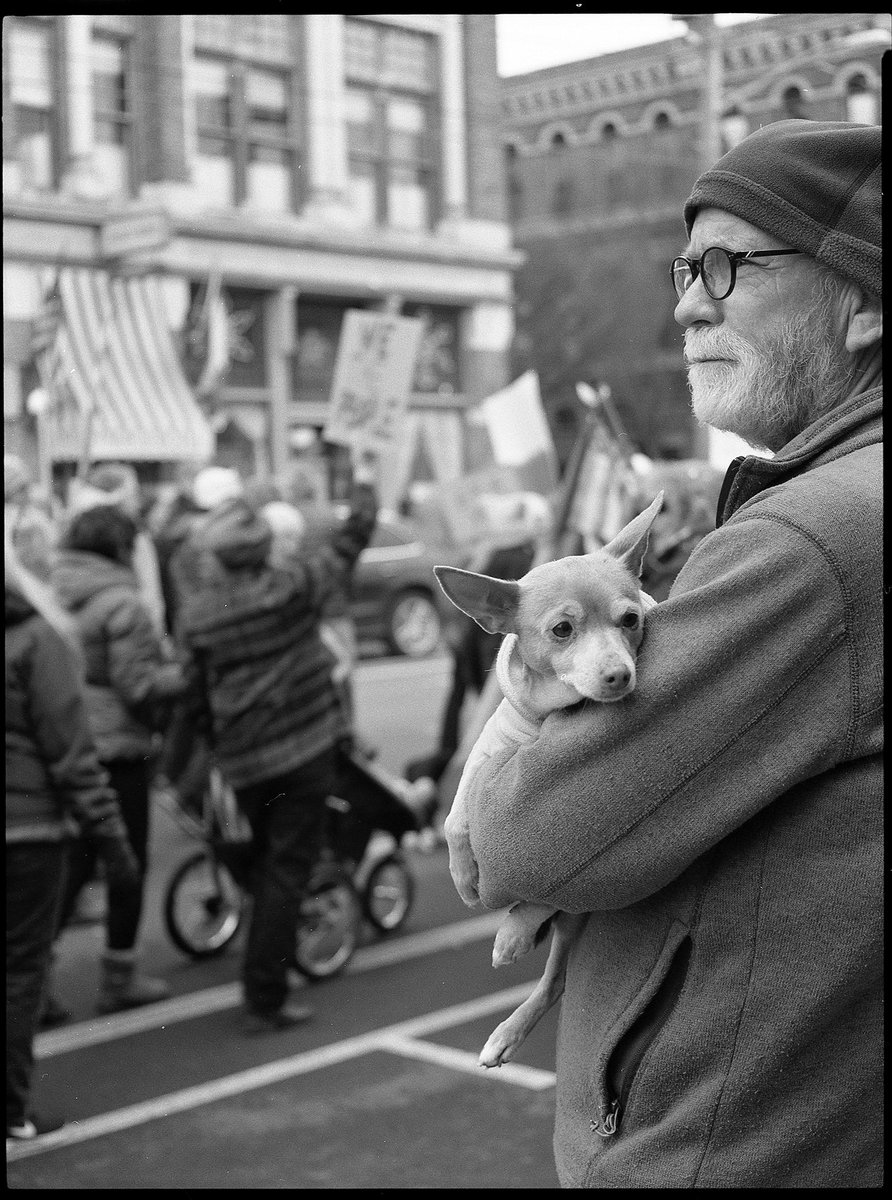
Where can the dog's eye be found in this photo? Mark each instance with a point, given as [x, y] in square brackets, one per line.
[630, 620]
[562, 630]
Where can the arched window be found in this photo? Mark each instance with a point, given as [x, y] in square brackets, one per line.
[558, 141]
[861, 104]
[662, 122]
[794, 104]
[609, 132]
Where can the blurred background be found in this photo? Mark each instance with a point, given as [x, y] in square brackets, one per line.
[192, 203]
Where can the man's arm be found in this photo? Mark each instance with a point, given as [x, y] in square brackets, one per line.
[743, 692]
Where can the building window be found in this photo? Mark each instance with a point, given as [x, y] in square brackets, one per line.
[662, 122]
[437, 365]
[609, 132]
[558, 142]
[111, 114]
[31, 91]
[861, 105]
[244, 119]
[391, 116]
[794, 104]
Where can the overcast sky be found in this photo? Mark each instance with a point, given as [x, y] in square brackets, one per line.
[530, 41]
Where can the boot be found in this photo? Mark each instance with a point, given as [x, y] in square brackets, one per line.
[122, 987]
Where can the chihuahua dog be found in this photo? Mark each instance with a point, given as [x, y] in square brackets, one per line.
[572, 628]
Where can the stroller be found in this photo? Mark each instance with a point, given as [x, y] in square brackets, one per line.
[362, 874]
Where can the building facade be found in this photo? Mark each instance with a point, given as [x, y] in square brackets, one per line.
[244, 180]
[600, 156]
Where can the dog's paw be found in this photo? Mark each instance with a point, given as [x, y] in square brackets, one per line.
[511, 944]
[466, 886]
[501, 1046]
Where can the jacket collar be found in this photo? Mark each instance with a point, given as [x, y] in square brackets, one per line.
[855, 423]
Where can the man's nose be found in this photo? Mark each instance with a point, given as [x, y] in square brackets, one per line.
[697, 307]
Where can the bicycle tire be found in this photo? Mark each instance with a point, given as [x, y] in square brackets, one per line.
[329, 926]
[389, 893]
[203, 906]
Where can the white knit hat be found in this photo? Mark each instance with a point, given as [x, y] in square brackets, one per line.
[213, 485]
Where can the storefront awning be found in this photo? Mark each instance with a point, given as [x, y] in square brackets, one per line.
[115, 357]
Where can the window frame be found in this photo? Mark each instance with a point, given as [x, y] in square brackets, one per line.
[122, 118]
[377, 153]
[53, 112]
[239, 134]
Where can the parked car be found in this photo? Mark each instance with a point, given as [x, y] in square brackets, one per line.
[395, 597]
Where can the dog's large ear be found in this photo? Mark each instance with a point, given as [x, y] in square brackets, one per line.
[630, 544]
[491, 602]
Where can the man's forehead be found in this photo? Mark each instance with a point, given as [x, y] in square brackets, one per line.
[715, 227]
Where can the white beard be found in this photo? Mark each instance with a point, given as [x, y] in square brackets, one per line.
[768, 393]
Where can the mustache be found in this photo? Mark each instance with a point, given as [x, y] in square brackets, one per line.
[713, 343]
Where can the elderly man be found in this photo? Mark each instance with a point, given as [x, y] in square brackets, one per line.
[722, 1018]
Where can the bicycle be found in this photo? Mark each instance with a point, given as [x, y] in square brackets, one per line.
[359, 877]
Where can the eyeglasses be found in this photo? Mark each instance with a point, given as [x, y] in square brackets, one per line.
[717, 267]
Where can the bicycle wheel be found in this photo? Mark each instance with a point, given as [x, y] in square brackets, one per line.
[203, 906]
[388, 893]
[329, 926]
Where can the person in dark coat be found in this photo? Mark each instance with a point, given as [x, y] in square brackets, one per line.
[56, 792]
[251, 630]
[131, 687]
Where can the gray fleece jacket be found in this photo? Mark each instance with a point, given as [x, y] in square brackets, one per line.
[722, 1021]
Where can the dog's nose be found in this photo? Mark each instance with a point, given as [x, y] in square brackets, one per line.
[618, 678]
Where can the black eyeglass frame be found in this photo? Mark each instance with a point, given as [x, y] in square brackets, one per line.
[734, 257]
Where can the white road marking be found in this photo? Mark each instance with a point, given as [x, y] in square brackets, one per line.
[385, 1039]
[464, 1060]
[199, 1004]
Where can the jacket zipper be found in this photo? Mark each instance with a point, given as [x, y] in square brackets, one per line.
[636, 1041]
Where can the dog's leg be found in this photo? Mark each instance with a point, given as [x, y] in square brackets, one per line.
[504, 1042]
[523, 928]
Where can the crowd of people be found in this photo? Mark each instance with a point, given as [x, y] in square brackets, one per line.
[142, 639]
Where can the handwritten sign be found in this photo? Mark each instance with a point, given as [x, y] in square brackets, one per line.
[372, 379]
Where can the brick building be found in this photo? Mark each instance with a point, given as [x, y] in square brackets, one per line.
[260, 174]
[601, 154]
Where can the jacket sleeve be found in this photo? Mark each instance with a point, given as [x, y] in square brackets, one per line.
[138, 670]
[327, 569]
[745, 690]
[62, 733]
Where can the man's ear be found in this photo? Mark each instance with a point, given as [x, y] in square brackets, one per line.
[491, 602]
[865, 322]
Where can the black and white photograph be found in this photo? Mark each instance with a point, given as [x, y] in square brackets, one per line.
[443, 542]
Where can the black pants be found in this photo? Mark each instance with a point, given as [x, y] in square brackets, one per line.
[287, 816]
[130, 778]
[35, 881]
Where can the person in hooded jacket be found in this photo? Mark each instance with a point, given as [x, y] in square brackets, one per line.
[250, 624]
[56, 792]
[131, 686]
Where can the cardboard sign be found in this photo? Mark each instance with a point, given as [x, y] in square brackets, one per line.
[372, 379]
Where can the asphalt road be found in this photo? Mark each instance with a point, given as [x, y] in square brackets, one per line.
[381, 1090]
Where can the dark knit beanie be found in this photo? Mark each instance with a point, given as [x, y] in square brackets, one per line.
[237, 534]
[815, 185]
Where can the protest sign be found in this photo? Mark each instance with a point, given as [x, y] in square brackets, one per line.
[372, 379]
